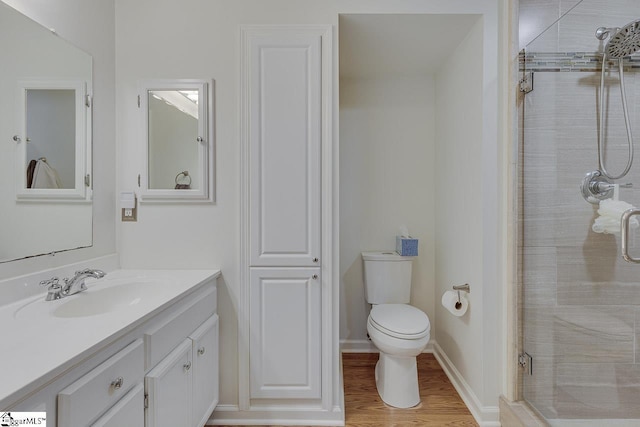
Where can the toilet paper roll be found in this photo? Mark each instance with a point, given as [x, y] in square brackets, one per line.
[450, 302]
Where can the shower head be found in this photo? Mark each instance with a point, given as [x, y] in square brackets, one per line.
[625, 41]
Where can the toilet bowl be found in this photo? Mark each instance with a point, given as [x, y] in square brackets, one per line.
[400, 332]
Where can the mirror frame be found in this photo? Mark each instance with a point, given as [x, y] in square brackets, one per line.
[82, 184]
[204, 190]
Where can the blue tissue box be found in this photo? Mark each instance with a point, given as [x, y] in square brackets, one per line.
[406, 246]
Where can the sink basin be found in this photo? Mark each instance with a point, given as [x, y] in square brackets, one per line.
[98, 300]
[102, 296]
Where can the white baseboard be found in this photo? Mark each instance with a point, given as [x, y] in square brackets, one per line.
[486, 416]
[366, 346]
[357, 346]
[232, 415]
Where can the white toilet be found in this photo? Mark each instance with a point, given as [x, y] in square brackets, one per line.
[397, 329]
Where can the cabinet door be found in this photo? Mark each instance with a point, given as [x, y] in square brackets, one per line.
[169, 387]
[285, 329]
[205, 370]
[129, 411]
[284, 149]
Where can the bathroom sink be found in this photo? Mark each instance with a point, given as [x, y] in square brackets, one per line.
[102, 296]
[98, 300]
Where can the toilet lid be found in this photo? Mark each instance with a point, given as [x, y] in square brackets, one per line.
[400, 320]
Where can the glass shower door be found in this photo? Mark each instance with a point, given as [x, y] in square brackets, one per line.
[581, 300]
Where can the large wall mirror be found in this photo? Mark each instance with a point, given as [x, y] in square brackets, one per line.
[177, 144]
[45, 147]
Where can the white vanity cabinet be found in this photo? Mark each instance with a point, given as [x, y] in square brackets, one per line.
[158, 370]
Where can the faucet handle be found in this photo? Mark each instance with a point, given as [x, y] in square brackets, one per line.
[55, 289]
[50, 282]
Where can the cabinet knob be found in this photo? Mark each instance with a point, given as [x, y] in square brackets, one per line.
[187, 366]
[316, 260]
[117, 383]
[201, 351]
[314, 277]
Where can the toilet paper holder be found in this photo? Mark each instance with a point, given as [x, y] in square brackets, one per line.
[458, 288]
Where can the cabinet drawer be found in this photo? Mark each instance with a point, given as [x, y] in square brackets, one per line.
[129, 411]
[88, 397]
[164, 336]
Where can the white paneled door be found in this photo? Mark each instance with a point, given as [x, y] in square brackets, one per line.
[284, 142]
[285, 328]
[286, 152]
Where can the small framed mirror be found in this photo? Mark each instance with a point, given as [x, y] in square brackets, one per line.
[178, 142]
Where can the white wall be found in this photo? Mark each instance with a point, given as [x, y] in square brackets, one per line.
[466, 219]
[199, 39]
[387, 136]
[89, 25]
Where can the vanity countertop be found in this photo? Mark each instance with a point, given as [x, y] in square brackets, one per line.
[42, 339]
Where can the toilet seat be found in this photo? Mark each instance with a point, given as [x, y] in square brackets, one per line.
[400, 321]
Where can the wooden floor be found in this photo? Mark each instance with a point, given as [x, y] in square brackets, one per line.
[441, 405]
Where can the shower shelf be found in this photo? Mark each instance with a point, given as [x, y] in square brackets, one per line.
[570, 61]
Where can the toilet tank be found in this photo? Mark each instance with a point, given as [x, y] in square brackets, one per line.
[387, 277]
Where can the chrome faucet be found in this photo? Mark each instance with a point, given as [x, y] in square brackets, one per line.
[76, 283]
[56, 290]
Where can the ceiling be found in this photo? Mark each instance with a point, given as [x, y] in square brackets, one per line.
[378, 45]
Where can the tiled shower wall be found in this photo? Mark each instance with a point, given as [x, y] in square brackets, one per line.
[581, 300]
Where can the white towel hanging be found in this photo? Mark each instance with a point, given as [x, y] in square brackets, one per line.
[44, 176]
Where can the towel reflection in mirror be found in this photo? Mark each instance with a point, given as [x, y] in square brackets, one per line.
[41, 175]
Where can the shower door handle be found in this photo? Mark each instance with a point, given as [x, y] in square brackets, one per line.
[626, 217]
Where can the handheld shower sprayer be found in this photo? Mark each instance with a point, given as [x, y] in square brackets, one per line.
[622, 42]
